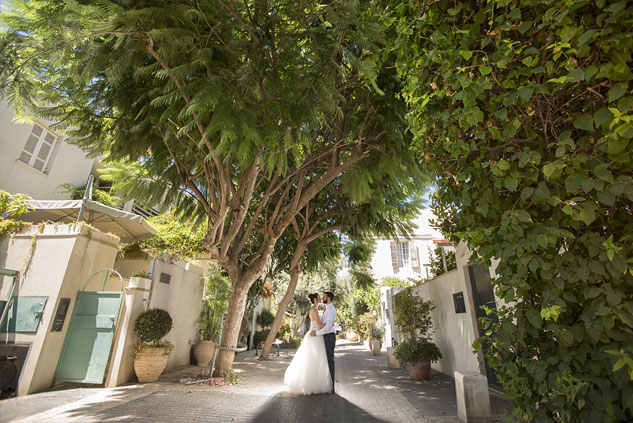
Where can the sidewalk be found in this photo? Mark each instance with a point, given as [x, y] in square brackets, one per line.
[367, 391]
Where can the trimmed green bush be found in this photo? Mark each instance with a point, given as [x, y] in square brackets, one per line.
[152, 325]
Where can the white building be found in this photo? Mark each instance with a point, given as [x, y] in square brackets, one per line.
[35, 160]
[407, 258]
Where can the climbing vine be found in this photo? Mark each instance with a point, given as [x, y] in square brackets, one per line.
[523, 109]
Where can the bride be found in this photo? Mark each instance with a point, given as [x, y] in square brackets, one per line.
[308, 372]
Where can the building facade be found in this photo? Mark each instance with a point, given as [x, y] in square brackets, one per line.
[36, 161]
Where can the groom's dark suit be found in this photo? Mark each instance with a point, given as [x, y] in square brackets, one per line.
[329, 337]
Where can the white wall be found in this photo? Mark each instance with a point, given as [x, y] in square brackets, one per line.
[422, 239]
[182, 298]
[54, 261]
[70, 164]
[454, 332]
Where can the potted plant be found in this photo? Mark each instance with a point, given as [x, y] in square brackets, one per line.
[375, 345]
[151, 354]
[413, 319]
[214, 306]
[366, 322]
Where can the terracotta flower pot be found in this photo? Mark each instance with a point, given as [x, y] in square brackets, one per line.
[203, 352]
[149, 363]
[420, 370]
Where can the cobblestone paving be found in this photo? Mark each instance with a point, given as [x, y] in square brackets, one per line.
[366, 391]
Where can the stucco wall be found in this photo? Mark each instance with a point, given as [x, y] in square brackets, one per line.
[70, 164]
[54, 261]
[454, 332]
[182, 298]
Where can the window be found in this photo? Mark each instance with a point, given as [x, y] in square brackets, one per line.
[38, 151]
[402, 252]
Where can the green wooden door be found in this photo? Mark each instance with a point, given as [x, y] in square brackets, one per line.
[88, 342]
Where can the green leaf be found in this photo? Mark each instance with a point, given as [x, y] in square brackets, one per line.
[511, 182]
[617, 145]
[466, 54]
[526, 193]
[603, 115]
[575, 75]
[503, 164]
[587, 215]
[592, 292]
[549, 169]
[485, 70]
[551, 312]
[534, 318]
[617, 91]
[584, 122]
[602, 171]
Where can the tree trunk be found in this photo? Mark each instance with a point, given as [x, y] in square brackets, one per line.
[231, 330]
[281, 311]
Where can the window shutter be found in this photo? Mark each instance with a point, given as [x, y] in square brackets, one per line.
[394, 256]
[415, 258]
[51, 159]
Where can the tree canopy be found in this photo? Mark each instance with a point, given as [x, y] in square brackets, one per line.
[249, 108]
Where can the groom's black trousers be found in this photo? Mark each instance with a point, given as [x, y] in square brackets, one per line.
[330, 342]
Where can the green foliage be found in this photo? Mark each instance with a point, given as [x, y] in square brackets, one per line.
[142, 274]
[77, 193]
[437, 265]
[152, 325]
[523, 109]
[412, 351]
[9, 227]
[13, 204]
[367, 324]
[394, 282]
[413, 316]
[166, 345]
[265, 318]
[260, 336]
[215, 303]
[174, 236]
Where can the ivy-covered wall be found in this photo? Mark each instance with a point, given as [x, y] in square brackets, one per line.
[523, 110]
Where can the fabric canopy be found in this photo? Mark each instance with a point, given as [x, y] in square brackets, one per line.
[127, 226]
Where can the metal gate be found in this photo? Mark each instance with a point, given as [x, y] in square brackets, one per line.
[84, 356]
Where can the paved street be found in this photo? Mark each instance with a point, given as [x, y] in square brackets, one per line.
[367, 391]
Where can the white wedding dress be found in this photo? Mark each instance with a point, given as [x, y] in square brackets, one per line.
[308, 372]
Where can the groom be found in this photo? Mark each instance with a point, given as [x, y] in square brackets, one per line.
[328, 331]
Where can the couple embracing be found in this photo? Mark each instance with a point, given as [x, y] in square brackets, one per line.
[311, 370]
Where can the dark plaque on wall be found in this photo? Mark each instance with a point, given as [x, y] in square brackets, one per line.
[458, 300]
[60, 314]
[165, 277]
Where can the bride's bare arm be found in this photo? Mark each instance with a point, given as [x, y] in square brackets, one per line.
[314, 316]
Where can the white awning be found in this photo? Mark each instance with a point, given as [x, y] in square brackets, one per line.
[127, 226]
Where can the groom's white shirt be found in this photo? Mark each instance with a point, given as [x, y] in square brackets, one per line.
[329, 315]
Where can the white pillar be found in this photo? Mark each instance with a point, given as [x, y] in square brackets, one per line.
[473, 399]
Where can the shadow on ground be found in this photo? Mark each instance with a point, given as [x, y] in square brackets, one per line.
[286, 407]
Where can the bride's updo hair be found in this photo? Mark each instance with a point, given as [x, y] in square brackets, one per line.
[313, 297]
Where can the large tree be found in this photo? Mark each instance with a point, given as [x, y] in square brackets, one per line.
[250, 108]
[385, 209]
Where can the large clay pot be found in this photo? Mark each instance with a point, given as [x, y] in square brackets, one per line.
[203, 352]
[149, 363]
[374, 346]
[420, 370]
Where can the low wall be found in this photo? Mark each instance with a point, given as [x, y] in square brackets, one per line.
[454, 332]
[54, 261]
[179, 292]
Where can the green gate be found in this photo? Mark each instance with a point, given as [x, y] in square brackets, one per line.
[84, 356]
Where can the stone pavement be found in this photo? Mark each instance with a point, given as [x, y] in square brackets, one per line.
[367, 391]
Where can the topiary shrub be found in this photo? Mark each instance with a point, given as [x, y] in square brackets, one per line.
[152, 325]
[266, 318]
